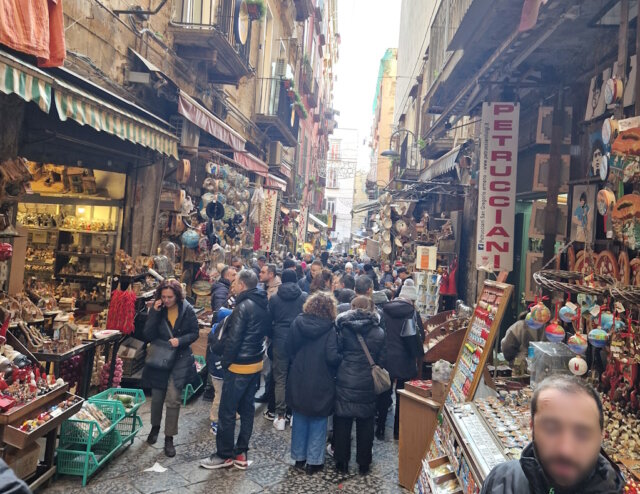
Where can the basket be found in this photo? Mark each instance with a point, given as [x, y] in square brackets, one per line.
[108, 395]
[78, 460]
[630, 294]
[88, 432]
[128, 427]
[572, 282]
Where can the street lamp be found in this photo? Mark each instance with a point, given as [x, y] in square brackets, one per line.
[393, 153]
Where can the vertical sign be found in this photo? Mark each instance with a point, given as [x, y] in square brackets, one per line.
[497, 186]
[303, 218]
[269, 219]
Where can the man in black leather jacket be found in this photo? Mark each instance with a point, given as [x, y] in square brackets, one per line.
[242, 363]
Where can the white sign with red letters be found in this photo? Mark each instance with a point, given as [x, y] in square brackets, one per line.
[497, 186]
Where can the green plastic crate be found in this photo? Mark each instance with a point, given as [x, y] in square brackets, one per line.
[136, 394]
[84, 460]
[202, 361]
[189, 390]
[128, 427]
[88, 432]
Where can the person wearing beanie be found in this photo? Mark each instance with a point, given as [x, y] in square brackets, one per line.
[401, 362]
[284, 307]
[348, 268]
[345, 296]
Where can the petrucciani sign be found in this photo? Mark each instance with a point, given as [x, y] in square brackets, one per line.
[497, 186]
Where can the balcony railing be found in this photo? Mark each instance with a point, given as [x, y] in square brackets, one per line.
[275, 114]
[214, 30]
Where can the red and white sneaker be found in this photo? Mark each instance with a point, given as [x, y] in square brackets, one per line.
[241, 461]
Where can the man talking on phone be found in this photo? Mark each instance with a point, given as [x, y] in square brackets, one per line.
[567, 426]
[242, 362]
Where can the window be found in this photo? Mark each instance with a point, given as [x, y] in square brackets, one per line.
[331, 206]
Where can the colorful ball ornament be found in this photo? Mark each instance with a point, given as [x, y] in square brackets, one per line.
[578, 366]
[606, 320]
[540, 314]
[531, 323]
[554, 332]
[567, 314]
[598, 337]
[577, 343]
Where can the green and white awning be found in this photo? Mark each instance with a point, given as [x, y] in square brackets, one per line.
[26, 81]
[86, 109]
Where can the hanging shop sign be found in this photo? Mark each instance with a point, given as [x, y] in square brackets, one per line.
[268, 220]
[303, 219]
[426, 257]
[497, 186]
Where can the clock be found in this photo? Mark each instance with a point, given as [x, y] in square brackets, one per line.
[613, 91]
[609, 131]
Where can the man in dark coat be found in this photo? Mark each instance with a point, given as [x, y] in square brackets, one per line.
[220, 289]
[368, 271]
[242, 360]
[355, 394]
[284, 307]
[171, 319]
[564, 456]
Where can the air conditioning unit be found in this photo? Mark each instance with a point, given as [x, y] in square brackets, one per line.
[187, 133]
[275, 154]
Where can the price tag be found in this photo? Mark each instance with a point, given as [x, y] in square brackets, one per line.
[619, 307]
[572, 306]
[595, 310]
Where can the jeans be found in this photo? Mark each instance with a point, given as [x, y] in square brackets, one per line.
[342, 439]
[238, 391]
[308, 439]
[279, 371]
[170, 396]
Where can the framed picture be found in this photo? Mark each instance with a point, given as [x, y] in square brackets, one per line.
[541, 173]
[583, 203]
[545, 125]
[597, 151]
[534, 264]
[536, 224]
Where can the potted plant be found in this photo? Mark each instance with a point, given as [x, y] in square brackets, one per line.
[256, 9]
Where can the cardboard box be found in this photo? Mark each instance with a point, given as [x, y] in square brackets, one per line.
[23, 462]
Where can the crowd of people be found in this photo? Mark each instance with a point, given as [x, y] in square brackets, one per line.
[310, 330]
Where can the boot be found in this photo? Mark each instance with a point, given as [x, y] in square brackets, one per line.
[380, 433]
[153, 435]
[169, 449]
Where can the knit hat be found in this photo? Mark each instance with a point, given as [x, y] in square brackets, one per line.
[408, 291]
[348, 265]
[289, 276]
[379, 297]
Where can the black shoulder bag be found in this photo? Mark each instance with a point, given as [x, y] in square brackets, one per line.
[160, 354]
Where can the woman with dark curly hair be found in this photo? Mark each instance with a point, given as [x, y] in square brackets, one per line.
[172, 319]
[312, 346]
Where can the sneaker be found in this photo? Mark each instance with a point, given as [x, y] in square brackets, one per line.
[214, 428]
[269, 415]
[300, 465]
[241, 461]
[330, 450]
[279, 424]
[214, 462]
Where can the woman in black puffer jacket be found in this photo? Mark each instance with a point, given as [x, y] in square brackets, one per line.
[355, 395]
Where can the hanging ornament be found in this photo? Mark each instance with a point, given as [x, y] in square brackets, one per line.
[540, 315]
[577, 343]
[567, 314]
[578, 366]
[598, 338]
[554, 331]
[531, 323]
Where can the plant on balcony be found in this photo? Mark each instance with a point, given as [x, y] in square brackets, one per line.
[256, 9]
[300, 110]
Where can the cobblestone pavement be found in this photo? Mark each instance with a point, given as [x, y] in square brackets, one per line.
[271, 471]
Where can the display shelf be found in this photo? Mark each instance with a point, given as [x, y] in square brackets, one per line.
[84, 255]
[90, 232]
[86, 277]
[61, 357]
[20, 412]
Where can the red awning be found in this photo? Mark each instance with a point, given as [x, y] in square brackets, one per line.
[251, 163]
[275, 182]
[207, 121]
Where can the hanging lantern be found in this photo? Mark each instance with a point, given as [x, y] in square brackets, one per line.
[578, 366]
[577, 344]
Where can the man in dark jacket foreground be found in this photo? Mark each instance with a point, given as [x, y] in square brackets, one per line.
[242, 362]
[284, 307]
[567, 424]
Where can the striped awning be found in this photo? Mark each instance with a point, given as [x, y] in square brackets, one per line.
[86, 109]
[24, 80]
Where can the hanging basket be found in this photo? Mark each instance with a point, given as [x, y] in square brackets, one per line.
[573, 282]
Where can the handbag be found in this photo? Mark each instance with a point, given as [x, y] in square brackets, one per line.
[381, 379]
[412, 337]
[160, 354]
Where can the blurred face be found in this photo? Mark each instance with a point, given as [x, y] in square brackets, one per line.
[230, 275]
[567, 444]
[237, 287]
[168, 297]
[265, 275]
[348, 270]
[403, 276]
[261, 263]
[336, 283]
[315, 270]
[237, 265]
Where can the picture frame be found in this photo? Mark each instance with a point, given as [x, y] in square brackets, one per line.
[583, 215]
[534, 263]
[541, 172]
[536, 223]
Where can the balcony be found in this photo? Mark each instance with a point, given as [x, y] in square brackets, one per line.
[275, 115]
[215, 31]
[303, 9]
